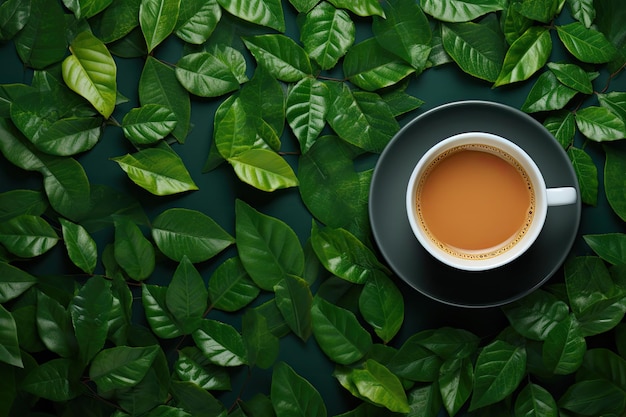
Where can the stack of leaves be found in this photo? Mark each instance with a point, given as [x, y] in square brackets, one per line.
[106, 336]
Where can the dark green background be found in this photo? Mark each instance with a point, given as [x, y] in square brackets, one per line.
[220, 188]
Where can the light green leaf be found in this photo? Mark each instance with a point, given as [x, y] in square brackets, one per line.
[586, 173]
[526, 55]
[572, 76]
[157, 170]
[220, 343]
[197, 20]
[263, 169]
[294, 396]
[91, 72]
[86, 8]
[157, 19]
[534, 400]
[186, 296]
[230, 286]
[133, 252]
[280, 55]
[600, 124]
[294, 300]
[206, 75]
[360, 7]
[148, 124]
[80, 246]
[382, 306]
[234, 132]
[307, 106]
[262, 12]
[588, 45]
[327, 33]
[9, 345]
[614, 181]
[459, 10]
[546, 94]
[121, 366]
[27, 236]
[193, 366]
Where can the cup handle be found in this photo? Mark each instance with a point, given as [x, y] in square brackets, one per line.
[561, 196]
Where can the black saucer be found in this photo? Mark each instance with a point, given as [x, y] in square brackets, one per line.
[419, 269]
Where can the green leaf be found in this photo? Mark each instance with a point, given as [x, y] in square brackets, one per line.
[27, 236]
[159, 171]
[361, 118]
[415, 362]
[263, 169]
[455, 383]
[540, 10]
[9, 345]
[157, 19]
[70, 136]
[499, 370]
[583, 11]
[117, 20]
[180, 233]
[261, 12]
[90, 309]
[603, 315]
[294, 396]
[547, 94]
[121, 366]
[382, 306]
[587, 174]
[448, 342]
[614, 181]
[614, 101]
[526, 55]
[86, 8]
[588, 282]
[234, 132]
[604, 363]
[360, 7]
[587, 45]
[52, 380]
[327, 33]
[13, 282]
[268, 248]
[572, 76]
[459, 10]
[54, 326]
[16, 202]
[609, 246]
[91, 72]
[80, 246]
[280, 55]
[371, 67]
[14, 15]
[294, 300]
[600, 124]
[609, 15]
[158, 85]
[206, 75]
[133, 252]
[263, 347]
[303, 6]
[230, 287]
[404, 31]
[307, 107]
[564, 347]
[475, 47]
[220, 343]
[344, 255]
[562, 126]
[186, 296]
[160, 319]
[193, 366]
[67, 187]
[593, 398]
[148, 124]
[339, 333]
[196, 401]
[514, 23]
[536, 315]
[534, 400]
[197, 20]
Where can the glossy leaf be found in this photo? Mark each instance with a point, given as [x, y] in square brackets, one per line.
[339, 333]
[230, 287]
[614, 101]
[263, 169]
[186, 295]
[609, 246]
[455, 383]
[382, 305]
[282, 56]
[404, 31]
[91, 72]
[54, 326]
[27, 236]
[206, 75]
[13, 282]
[583, 11]
[327, 33]
[9, 344]
[220, 343]
[52, 380]
[534, 400]
[572, 76]
[160, 319]
[415, 362]
[268, 248]
[499, 369]
[564, 347]
[197, 20]
[600, 124]
[262, 12]
[70, 136]
[307, 106]
[148, 124]
[475, 47]
[371, 67]
[86, 8]
[538, 10]
[81, 247]
[157, 19]
[180, 233]
[547, 94]
[90, 309]
[514, 23]
[526, 55]
[588, 45]
[121, 366]
[262, 345]
[586, 173]
[193, 366]
[536, 315]
[234, 131]
[562, 126]
[67, 187]
[157, 170]
[294, 300]
[344, 255]
[293, 395]
[603, 315]
[459, 10]
[614, 182]
[133, 252]
[360, 7]
[588, 282]
[42, 41]
[13, 17]
[119, 19]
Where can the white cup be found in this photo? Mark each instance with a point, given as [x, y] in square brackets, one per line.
[501, 254]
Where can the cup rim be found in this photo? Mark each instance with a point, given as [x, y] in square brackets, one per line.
[540, 201]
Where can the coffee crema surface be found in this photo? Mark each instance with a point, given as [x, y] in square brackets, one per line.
[475, 201]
